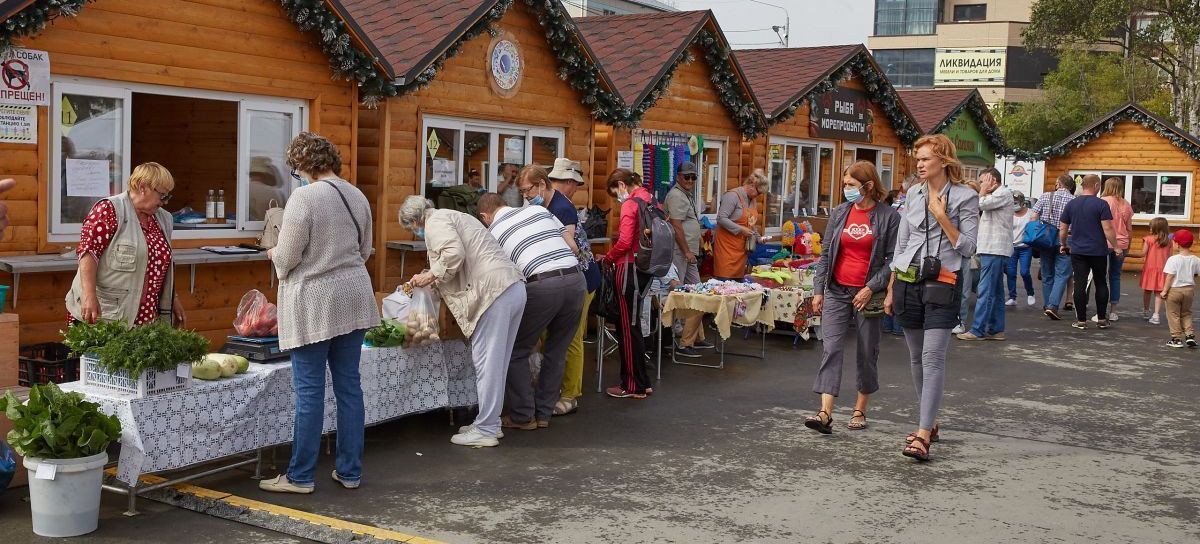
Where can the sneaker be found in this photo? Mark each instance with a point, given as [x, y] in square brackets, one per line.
[281, 484]
[465, 428]
[1112, 316]
[998, 337]
[476, 439]
[1154, 320]
[1010, 302]
[701, 344]
[1081, 325]
[1030, 300]
[1069, 306]
[687, 352]
[1191, 342]
[969, 336]
[1102, 324]
[959, 330]
[1175, 343]
[348, 484]
[543, 423]
[617, 392]
[1053, 315]
[507, 423]
[1096, 318]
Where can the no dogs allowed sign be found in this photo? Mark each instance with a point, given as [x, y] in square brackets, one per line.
[25, 78]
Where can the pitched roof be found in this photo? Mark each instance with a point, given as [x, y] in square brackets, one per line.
[637, 50]
[778, 88]
[1129, 112]
[933, 108]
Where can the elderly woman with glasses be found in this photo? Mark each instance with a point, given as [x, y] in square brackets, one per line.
[737, 226]
[125, 272]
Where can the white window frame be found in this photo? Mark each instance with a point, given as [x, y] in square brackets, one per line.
[722, 147]
[60, 232]
[1128, 175]
[494, 129]
[815, 183]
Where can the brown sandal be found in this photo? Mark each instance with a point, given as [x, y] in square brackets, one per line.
[857, 425]
[917, 449]
[933, 436]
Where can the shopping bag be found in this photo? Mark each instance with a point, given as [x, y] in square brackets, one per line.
[8, 466]
[395, 305]
[1040, 235]
[256, 316]
[422, 319]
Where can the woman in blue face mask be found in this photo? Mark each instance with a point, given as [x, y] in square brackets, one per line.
[850, 282]
[536, 191]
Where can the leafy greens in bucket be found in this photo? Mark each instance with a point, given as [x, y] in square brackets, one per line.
[55, 424]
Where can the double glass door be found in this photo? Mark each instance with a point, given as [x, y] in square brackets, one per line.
[801, 181]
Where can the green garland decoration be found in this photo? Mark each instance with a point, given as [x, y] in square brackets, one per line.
[746, 114]
[1129, 113]
[878, 88]
[34, 18]
[978, 110]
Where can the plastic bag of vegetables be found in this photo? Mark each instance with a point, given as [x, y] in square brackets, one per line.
[256, 316]
[422, 320]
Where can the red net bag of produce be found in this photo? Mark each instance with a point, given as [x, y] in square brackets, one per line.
[256, 316]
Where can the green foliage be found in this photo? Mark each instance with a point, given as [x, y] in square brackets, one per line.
[156, 346]
[389, 333]
[1084, 87]
[87, 338]
[54, 424]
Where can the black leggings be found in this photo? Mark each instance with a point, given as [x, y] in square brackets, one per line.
[1097, 265]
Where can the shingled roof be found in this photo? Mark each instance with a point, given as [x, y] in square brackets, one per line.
[777, 88]
[636, 50]
[1182, 139]
[937, 109]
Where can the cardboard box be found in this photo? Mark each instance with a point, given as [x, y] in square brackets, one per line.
[10, 331]
[21, 478]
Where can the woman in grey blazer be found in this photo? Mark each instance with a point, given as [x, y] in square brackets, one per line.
[853, 272]
[937, 234]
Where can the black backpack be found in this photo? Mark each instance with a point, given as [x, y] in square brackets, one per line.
[596, 225]
[463, 198]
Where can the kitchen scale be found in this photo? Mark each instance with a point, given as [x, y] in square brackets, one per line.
[259, 350]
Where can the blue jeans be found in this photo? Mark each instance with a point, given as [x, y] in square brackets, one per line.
[1022, 256]
[891, 326]
[1056, 270]
[308, 378]
[989, 305]
[1114, 277]
[970, 280]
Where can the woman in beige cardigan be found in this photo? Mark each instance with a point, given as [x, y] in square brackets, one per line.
[484, 291]
[326, 303]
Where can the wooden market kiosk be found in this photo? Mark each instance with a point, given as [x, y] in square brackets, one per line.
[478, 88]
[664, 66]
[1158, 161]
[212, 89]
[827, 107]
[963, 116]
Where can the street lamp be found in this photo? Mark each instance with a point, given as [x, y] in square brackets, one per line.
[787, 23]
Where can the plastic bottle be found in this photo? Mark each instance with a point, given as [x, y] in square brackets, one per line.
[210, 208]
[221, 206]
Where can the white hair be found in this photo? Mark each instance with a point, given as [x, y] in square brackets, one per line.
[414, 210]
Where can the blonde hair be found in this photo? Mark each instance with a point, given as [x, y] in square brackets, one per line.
[943, 148]
[759, 179]
[153, 176]
[1114, 187]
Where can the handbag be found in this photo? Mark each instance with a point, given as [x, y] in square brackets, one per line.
[1040, 235]
[272, 220]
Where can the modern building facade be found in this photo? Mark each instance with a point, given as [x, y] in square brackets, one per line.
[588, 8]
[959, 43]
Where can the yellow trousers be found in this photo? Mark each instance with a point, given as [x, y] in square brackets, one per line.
[572, 383]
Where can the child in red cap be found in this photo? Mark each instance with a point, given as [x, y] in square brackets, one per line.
[1181, 270]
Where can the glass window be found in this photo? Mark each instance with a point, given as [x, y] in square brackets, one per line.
[907, 67]
[711, 186]
[905, 17]
[481, 153]
[970, 12]
[1153, 194]
[441, 159]
[92, 153]
[268, 133]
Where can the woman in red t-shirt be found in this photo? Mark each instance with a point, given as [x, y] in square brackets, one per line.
[855, 266]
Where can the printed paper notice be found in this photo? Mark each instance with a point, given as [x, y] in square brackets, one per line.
[87, 177]
[443, 173]
[18, 124]
[625, 160]
[514, 151]
[1172, 189]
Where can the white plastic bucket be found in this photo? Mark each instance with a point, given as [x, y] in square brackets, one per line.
[69, 503]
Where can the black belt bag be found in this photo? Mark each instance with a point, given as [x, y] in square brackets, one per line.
[939, 293]
[552, 274]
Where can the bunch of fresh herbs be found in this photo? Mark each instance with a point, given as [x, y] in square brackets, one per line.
[389, 333]
[55, 424]
[85, 338]
[155, 346]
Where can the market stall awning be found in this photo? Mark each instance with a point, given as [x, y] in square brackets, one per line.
[1129, 112]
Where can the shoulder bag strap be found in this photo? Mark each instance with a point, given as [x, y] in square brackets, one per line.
[357, 228]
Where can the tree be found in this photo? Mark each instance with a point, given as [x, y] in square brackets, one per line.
[1162, 33]
[1084, 86]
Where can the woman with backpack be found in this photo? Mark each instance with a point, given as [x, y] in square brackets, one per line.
[626, 187]
[737, 225]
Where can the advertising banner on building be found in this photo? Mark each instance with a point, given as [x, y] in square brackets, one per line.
[842, 114]
[970, 67]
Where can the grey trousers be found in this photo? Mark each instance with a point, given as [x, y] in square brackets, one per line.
[927, 355]
[491, 349]
[553, 305]
[836, 315]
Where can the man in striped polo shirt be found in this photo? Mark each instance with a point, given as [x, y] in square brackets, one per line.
[533, 238]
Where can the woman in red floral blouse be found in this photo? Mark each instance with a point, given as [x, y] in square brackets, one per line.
[149, 189]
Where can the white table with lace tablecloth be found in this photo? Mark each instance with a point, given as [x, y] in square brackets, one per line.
[212, 420]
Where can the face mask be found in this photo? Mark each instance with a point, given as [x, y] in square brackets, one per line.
[420, 233]
[1017, 207]
[536, 201]
[622, 197]
[852, 194]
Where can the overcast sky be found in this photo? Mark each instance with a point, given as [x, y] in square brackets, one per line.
[814, 22]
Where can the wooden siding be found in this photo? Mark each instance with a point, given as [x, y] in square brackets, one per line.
[1130, 147]
[462, 90]
[239, 46]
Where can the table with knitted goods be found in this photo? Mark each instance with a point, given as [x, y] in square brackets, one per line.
[214, 420]
[729, 303]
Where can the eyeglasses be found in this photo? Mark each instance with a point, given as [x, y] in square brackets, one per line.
[164, 197]
[689, 177]
[296, 176]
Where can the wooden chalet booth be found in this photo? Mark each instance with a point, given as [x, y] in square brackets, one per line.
[1158, 161]
[963, 116]
[827, 108]
[477, 87]
[212, 89]
[686, 99]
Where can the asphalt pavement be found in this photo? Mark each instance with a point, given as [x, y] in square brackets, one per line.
[1055, 435]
